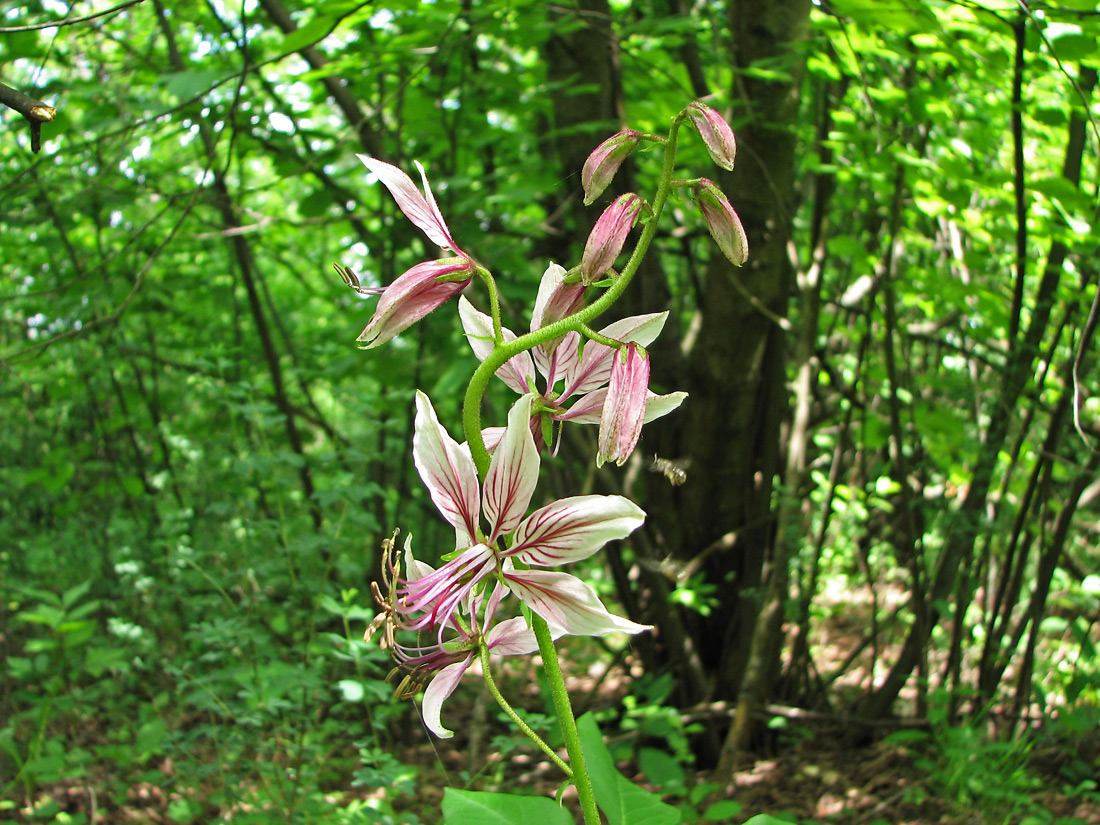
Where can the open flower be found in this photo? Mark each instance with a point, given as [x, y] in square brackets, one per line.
[565, 531]
[427, 285]
[443, 662]
[574, 380]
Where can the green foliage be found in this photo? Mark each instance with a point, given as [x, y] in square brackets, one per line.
[197, 466]
[623, 802]
[974, 772]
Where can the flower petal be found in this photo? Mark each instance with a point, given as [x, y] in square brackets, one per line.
[511, 638]
[587, 409]
[442, 686]
[574, 528]
[658, 405]
[448, 472]
[414, 568]
[624, 409]
[491, 436]
[440, 593]
[592, 368]
[419, 208]
[567, 603]
[479, 332]
[555, 300]
[513, 472]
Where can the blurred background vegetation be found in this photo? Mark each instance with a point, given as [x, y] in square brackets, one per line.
[892, 505]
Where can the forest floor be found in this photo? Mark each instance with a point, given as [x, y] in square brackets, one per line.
[810, 769]
[812, 773]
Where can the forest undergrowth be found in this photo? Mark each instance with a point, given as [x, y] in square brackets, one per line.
[108, 754]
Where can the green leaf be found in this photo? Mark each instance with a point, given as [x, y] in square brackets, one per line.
[315, 204]
[191, 84]
[310, 34]
[1073, 47]
[149, 737]
[725, 809]
[482, 808]
[622, 801]
[75, 593]
[661, 769]
[98, 660]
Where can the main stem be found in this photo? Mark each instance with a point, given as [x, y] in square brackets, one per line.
[566, 720]
[471, 423]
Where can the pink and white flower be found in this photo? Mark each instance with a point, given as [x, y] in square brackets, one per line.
[427, 285]
[445, 662]
[573, 380]
[564, 531]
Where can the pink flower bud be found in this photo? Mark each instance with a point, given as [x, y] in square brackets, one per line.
[624, 407]
[608, 236]
[722, 221]
[605, 161]
[715, 132]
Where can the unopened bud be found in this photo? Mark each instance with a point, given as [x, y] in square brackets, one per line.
[715, 132]
[608, 236]
[722, 221]
[605, 161]
[625, 406]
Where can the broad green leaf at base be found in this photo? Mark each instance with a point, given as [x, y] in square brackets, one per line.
[482, 808]
[623, 802]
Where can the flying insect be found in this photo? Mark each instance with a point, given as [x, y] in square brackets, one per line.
[674, 471]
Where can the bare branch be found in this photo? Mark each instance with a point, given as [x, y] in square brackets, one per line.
[69, 21]
[32, 109]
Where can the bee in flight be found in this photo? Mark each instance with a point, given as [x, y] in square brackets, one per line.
[674, 471]
[352, 280]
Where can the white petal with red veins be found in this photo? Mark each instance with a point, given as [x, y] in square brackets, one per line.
[441, 687]
[566, 602]
[572, 529]
[513, 472]
[448, 471]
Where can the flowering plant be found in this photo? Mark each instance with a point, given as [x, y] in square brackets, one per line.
[564, 372]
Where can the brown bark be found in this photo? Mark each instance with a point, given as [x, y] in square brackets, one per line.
[737, 367]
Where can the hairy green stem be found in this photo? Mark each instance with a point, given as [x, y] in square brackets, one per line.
[471, 423]
[566, 720]
[494, 304]
[515, 717]
[479, 383]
